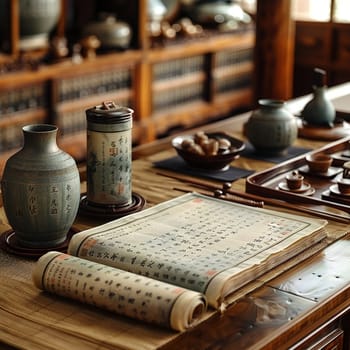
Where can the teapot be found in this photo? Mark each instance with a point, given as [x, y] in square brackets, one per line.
[111, 32]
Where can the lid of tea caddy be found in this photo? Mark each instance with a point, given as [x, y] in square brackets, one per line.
[108, 112]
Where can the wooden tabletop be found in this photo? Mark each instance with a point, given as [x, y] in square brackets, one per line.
[273, 312]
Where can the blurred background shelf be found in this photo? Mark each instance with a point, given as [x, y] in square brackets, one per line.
[170, 83]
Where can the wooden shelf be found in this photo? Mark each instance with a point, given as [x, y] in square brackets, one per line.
[209, 84]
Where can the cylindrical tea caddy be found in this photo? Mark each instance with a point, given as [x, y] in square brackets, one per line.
[109, 164]
[109, 155]
[40, 189]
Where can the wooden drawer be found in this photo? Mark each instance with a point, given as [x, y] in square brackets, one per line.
[339, 76]
[322, 339]
[342, 45]
[312, 43]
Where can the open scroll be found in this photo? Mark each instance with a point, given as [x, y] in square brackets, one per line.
[119, 291]
[200, 243]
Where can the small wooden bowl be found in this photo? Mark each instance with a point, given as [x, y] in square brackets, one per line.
[319, 162]
[220, 161]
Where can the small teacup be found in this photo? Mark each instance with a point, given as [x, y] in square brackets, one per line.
[346, 170]
[294, 180]
[344, 185]
[319, 162]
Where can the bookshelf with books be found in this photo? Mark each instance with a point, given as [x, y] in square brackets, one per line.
[195, 82]
[178, 83]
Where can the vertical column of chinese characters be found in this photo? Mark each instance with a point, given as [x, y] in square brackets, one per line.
[103, 167]
[119, 168]
[53, 204]
[32, 200]
[68, 198]
[113, 154]
[124, 168]
[128, 161]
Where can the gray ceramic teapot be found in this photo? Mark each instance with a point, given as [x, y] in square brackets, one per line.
[111, 32]
[212, 12]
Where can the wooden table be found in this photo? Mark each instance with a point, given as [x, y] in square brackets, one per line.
[304, 300]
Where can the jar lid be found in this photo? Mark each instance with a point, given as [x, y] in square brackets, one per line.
[108, 112]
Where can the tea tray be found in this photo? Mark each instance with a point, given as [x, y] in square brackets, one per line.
[319, 191]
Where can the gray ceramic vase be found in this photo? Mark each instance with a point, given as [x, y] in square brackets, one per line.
[319, 110]
[37, 18]
[271, 128]
[40, 189]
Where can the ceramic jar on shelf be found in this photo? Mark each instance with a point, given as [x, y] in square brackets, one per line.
[37, 18]
[112, 32]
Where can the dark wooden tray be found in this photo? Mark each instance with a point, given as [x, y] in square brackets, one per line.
[266, 183]
[340, 129]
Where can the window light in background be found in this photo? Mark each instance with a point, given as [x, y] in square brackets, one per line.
[342, 11]
[311, 10]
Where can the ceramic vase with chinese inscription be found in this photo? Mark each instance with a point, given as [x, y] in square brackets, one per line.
[271, 128]
[40, 189]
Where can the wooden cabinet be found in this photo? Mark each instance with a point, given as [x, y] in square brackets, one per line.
[327, 337]
[181, 83]
[321, 44]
